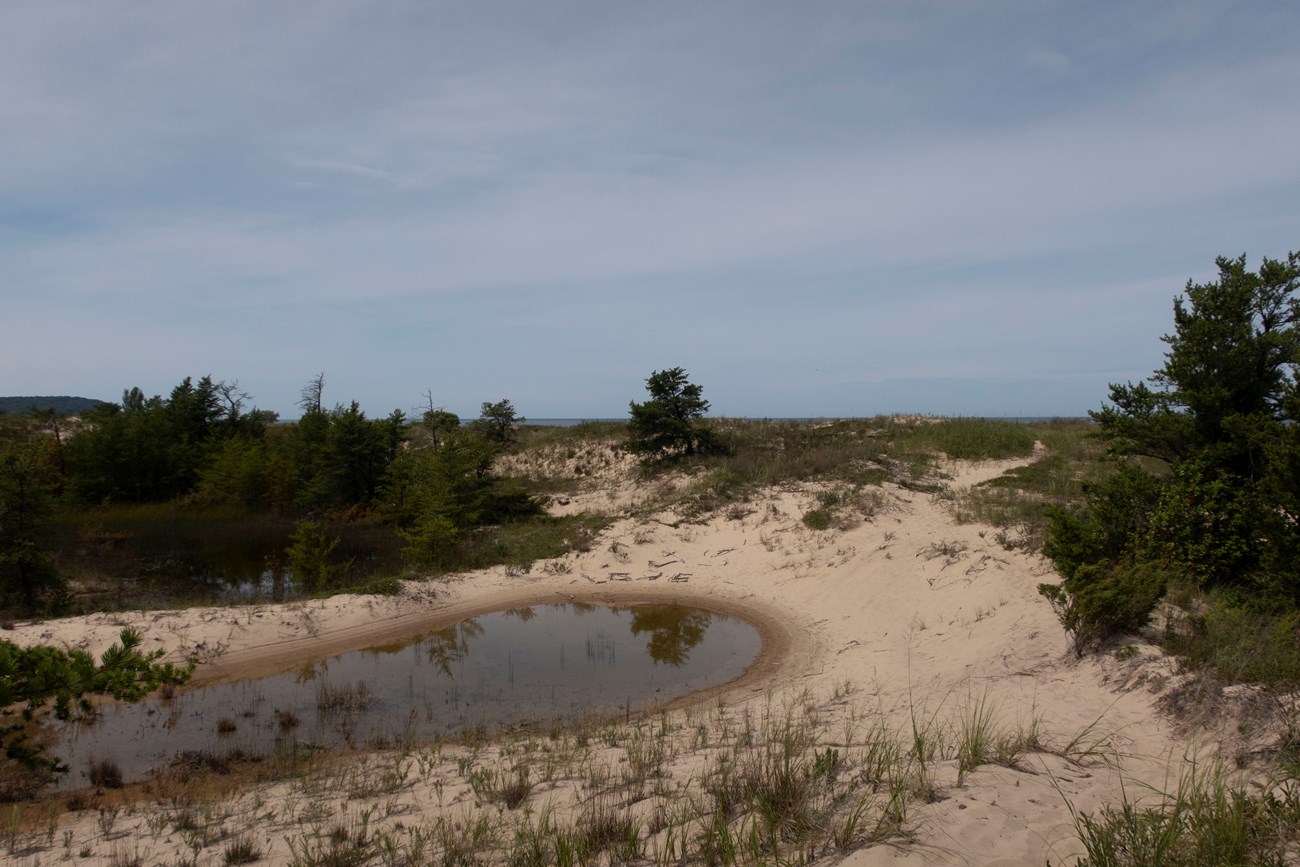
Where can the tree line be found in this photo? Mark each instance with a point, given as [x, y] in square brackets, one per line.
[204, 444]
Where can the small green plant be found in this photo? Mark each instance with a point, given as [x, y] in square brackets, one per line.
[817, 519]
[1207, 819]
[605, 828]
[976, 743]
[389, 585]
[508, 789]
[311, 556]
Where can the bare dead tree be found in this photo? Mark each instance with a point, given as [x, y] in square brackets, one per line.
[312, 394]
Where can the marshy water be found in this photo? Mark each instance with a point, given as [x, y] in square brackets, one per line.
[540, 666]
[156, 556]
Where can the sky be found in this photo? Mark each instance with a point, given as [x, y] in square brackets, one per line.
[832, 208]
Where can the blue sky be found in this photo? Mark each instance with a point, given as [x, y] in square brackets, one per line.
[826, 208]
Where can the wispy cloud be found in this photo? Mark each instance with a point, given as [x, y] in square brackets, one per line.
[800, 204]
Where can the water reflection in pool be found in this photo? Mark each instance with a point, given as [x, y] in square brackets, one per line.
[527, 666]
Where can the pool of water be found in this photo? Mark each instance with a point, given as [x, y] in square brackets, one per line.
[538, 666]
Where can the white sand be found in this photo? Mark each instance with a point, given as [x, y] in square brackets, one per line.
[910, 613]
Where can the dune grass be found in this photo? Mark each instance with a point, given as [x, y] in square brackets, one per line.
[1237, 643]
[853, 455]
[1016, 502]
[1208, 818]
[794, 781]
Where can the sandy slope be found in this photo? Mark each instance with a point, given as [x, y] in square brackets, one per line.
[910, 614]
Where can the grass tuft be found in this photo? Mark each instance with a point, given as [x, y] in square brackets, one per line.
[241, 850]
[510, 789]
[345, 698]
[1208, 819]
[104, 774]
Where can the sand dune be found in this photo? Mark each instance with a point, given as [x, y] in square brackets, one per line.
[907, 616]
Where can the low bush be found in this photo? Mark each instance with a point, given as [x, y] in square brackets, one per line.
[817, 519]
[1100, 602]
[242, 850]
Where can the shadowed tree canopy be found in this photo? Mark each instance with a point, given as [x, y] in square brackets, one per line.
[27, 485]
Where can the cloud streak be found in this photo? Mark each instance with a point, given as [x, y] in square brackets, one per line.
[786, 200]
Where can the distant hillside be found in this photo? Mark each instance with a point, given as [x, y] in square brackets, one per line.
[62, 404]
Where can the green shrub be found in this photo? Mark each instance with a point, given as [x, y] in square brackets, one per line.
[1205, 521]
[1114, 525]
[389, 585]
[1100, 602]
[310, 556]
[818, 519]
[430, 540]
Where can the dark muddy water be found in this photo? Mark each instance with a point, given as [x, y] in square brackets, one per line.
[538, 666]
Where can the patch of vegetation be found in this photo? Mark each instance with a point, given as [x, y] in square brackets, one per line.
[241, 850]
[34, 677]
[519, 545]
[817, 519]
[388, 585]
[345, 698]
[969, 439]
[199, 764]
[104, 774]
[509, 789]
[1206, 501]
[1240, 643]
[1207, 819]
[1020, 502]
[853, 456]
